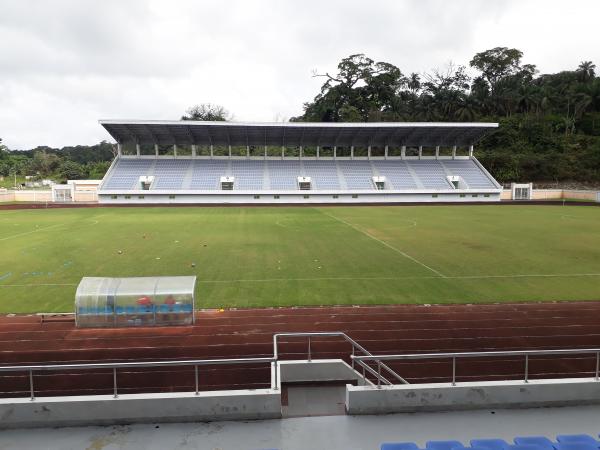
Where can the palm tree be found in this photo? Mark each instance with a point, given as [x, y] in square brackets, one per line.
[586, 71]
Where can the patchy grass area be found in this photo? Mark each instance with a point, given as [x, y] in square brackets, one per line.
[255, 257]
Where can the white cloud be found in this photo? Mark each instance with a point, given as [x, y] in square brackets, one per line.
[65, 64]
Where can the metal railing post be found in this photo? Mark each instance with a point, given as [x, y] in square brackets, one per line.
[454, 371]
[309, 353]
[352, 359]
[276, 378]
[378, 374]
[196, 378]
[31, 385]
[526, 368]
[115, 394]
[597, 364]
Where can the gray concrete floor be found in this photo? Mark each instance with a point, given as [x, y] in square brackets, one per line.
[326, 432]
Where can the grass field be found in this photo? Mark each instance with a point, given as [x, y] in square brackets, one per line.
[250, 257]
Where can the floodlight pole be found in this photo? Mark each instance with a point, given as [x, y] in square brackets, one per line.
[369, 152]
[137, 149]
[193, 150]
[229, 151]
[175, 150]
[420, 151]
[386, 152]
[119, 150]
[211, 151]
[335, 151]
[471, 151]
[156, 150]
[403, 152]
[247, 151]
[265, 152]
[454, 152]
[318, 148]
[282, 151]
[301, 151]
[437, 152]
[352, 152]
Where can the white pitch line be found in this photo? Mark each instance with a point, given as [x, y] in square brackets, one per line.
[38, 284]
[406, 255]
[30, 232]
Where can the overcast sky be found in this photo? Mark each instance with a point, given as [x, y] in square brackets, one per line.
[65, 64]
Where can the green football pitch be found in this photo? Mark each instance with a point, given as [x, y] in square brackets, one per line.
[260, 257]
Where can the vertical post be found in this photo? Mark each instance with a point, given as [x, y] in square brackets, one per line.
[247, 151]
[31, 391]
[229, 151]
[454, 371]
[526, 368]
[420, 151]
[352, 152]
[115, 394]
[364, 374]
[597, 364]
[175, 150]
[193, 150]
[437, 152]
[403, 152]
[386, 152]
[378, 374]
[119, 153]
[318, 151]
[196, 378]
[137, 149]
[301, 152]
[156, 150]
[471, 151]
[369, 152]
[265, 152]
[352, 355]
[454, 152]
[211, 151]
[309, 352]
[335, 151]
[282, 151]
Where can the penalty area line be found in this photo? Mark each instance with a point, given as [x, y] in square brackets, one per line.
[391, 247]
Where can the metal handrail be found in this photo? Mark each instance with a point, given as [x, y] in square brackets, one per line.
[455, 355]
[355, 346]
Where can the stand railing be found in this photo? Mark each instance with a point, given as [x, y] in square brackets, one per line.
[458, 355]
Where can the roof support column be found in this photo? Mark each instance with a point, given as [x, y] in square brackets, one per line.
[229, 151]
[175, 150]
[193, 150]
[403, 152]
[369, 152]
[156, 150]
[437, 152]
[265, 152]
[335, 151]
[119, 149]
[471, 151]
[137, 149]
[386, 152]
[454, 152]
[282, 151]
[211, 151]
[352, 152]
[301, 152]
[247, 151]
[318, 148]
[420, 151]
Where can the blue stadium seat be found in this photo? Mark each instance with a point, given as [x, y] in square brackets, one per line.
[490, 444]
[130, 309]
[567, 438]
[163, 308]
[187, 308]
[540, 441]
[525, 447]
[399, 446]
[176, 307]
[120, 310]
[577, 445]
[443, 445]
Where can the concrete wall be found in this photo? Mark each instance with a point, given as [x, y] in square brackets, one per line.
[555, 194]
[322, 370]
[496, 394]
[140, 408]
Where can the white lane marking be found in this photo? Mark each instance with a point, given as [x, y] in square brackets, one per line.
[397, 250]
[32, 231]
[38, 284]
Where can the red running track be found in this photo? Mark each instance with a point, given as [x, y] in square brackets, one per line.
[24, 339]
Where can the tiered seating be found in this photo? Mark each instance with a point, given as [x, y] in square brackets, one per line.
[126, 173]
[323, 174]
[284, 174]
[169, 173]
[207, 174]
[358, 174]
[431, 173]
[248, 174]
[563, 442]
[469, 172]
[396, 172]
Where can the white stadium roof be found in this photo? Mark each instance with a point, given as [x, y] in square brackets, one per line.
[297, 133]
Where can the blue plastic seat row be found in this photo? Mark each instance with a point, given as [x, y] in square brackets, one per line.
[563, 442]
[136, 309]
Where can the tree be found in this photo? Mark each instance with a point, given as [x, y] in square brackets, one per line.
[44, 163]
[207, 112]
[70, 170]
[586, 70]
[497, 63]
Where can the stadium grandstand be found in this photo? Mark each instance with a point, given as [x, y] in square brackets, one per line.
[296, 163]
